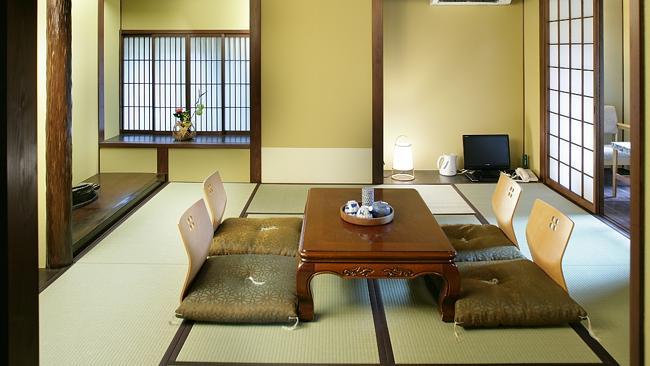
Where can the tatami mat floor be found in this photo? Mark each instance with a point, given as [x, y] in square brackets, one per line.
[116, 304]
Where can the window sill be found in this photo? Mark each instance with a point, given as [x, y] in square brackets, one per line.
[167, 141]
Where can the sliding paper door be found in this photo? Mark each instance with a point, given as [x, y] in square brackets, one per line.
[571, 111]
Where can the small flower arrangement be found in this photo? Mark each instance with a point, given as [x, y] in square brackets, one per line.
[183, 127]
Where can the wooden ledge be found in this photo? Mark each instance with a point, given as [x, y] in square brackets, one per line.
[167, 141]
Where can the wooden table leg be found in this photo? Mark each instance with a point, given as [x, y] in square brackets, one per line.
[449, 292]
[303, 288]
[614, 171]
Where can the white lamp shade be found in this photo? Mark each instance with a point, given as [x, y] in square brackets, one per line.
[403, 157]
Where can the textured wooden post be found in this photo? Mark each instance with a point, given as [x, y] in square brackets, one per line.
[59, 133]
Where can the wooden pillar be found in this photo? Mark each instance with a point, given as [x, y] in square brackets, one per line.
[18, 184]
[256, 91]
[59, 133]
[377, 92]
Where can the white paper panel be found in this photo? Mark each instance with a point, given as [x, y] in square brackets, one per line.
[564, 9]
[552, 9]
[553, 169]
[565, 82]
[576, 131]
[553, 56]
[565, 152]
[588, 189]
[576, 182]
[576, 56]
[576, 30]
[588, 162]
[553, 102]
[565, 103]
[588, 136]
[588, 33]
[588, 83]
[564, 31]
[576, 8]
[588, 114]
[588, 8]
[588, 57]
[553, 35]
[576, 157]
[576, 106]
[576, 81]
[565, 175]
[564, 56]
[565, 128]
[553, 147]
[554, 75]
[554, 124]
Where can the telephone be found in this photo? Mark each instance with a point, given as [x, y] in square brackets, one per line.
[525, 175]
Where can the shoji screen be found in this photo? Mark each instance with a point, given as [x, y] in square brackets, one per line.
[572, 98]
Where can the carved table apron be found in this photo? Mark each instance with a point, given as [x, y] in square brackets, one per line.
[412, 245]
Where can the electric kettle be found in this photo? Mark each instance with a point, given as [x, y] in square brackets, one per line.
[447, 164]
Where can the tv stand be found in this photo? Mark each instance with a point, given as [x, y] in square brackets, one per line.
[485, 176]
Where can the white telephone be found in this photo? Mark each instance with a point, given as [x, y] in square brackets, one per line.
[525, 175]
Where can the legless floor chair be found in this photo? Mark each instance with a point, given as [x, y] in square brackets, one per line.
[233, 288]
[489, 242]
[279, 236]
[520, 292]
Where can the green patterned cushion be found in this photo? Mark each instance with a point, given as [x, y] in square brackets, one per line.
[512, 293]
[242, 289]
[480, 243]
[278, 236]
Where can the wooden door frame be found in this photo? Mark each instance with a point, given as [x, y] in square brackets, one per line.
[255, 9]
[637, 113]
[19, 254]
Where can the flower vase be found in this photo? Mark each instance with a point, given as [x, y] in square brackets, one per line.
[183, 131]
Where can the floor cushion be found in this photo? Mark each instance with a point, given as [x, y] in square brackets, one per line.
[512, 293]
[242, 289]
[480, 243]
[280, 236]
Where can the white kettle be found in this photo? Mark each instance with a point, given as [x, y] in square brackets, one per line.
[447, 164]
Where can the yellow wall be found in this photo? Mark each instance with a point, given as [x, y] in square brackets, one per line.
[119, 160]
[449, 71]
[316, 86]
[613, 54]
[626, 60]
[532, 80]
[187, 14]
[111, 68]
[84, 90]
[41, 115]
[194, 165]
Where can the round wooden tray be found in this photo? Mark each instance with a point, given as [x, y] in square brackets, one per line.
[367, 222]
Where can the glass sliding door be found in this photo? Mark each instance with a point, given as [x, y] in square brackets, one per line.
[572, 87]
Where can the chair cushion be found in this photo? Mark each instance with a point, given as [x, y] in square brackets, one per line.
[512, 293]
[278, 236]
[222, 291]
[480, 243]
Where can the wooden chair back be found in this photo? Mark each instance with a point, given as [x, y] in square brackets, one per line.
[548, 232]
[504, 202]
[196, 234]
[215, 197]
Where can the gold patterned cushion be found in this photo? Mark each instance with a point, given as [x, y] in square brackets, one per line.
[242, 289]
[278, 236]
[480, 243]
[512, 293]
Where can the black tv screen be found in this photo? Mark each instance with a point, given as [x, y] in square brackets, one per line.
[486, 152]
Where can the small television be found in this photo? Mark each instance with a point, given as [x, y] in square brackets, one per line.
[486, 152]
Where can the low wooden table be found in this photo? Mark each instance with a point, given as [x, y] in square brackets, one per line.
[410, 246]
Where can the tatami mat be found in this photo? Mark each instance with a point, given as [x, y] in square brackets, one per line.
[342, 333]
[285, 198]
[418, 336]
[456, 219]
[441, 199]
[109, 314]
[150, 235]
